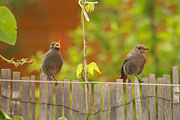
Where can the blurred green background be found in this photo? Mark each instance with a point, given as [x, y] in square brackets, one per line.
[115, 27]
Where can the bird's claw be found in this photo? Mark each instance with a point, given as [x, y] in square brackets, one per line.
[140, 81]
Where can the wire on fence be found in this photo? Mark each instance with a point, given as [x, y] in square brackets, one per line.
[18, 100]
[90, 82]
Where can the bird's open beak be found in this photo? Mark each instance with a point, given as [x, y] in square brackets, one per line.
[146, 48]
[57, 45]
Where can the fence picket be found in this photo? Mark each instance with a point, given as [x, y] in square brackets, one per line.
[167, 96]
[175, 94]
[160, 101]
[97, 102]
[67, 100]
[113, 102]
[138, 102]
[5, 91]
[120, 100]
[50, 101]
[75, 100]
[59, 94]
[43, 98]
[105, 102]
[16, 94]
[129, 102]
[25, 110]
[152, 98]
[33, 88]
[90, 103]
[145, 107]
[81, 103]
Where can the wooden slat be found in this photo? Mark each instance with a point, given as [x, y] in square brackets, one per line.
[160, 101]
[25, 110]
[50, 101]
[59, 94]
[43, 98]
[33, 88]
[145, 107]
[152, 98]
[120, 100]
[90, 103]
[81, 103]
[67, 100]
[16, 94]
[167, 96]
[97, 102]
[138, 102]
[105, 102]
[5, 91]
[129, 102]
[113, 102]
[75, 100]
[176, 115]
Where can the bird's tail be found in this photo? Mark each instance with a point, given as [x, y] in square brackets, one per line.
[123, 76]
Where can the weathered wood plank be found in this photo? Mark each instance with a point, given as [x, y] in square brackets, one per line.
[90, 103]
[33, 100]
[16, 94]
[167, 96]
[160, 101]
[59, 94]
[75, 100]
[152, 98]
[50, 101]
[138, 101]
[176, 115]
[105, 102]
[97, 102]
[129, 102]
[120, 100]
[113, 102]
[145, 107]
[43, 98]
[67, 100]
[81, 103]
[5, 91]
[25, 110]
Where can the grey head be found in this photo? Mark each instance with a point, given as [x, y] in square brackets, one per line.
[140, 49]
[54, 46]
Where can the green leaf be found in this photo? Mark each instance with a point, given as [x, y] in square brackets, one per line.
[93, 66]
[3, 116]
[89, 7]
[62, 118]
[79, 70]
[17, 118]
[8, 26]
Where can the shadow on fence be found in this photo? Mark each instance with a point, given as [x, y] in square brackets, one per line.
[149, 100]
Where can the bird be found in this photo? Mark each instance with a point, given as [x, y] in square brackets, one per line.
[52, 61]
[134, 63]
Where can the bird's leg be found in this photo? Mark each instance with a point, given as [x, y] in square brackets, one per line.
[49, 77]
[55, 80]
[140, 81]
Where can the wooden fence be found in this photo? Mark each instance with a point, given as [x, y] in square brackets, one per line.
[110, 101]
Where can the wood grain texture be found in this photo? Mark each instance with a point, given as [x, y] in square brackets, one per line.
[25, 110]
[81, 104]
[97, 102]
[33, 100]
[105, 102]
[160, 101]
[59, 100]
[67, 100]
[113, 101]
[50, 101]
[129, 102]
[145, 106]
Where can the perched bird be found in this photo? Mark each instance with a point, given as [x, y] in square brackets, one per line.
[134, 63]
[52, 61]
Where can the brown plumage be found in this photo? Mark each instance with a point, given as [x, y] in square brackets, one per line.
[52, 61]
[134, 63]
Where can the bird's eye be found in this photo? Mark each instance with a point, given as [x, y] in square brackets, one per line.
[139, 48]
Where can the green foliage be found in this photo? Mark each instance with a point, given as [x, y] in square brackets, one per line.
[17, 118]
[90, 69]
[62, 118]
[89, 7]
[8, 32]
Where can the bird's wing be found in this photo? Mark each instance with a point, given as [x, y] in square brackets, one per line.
[123, 76]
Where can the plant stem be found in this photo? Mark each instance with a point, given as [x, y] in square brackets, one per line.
[85, 54]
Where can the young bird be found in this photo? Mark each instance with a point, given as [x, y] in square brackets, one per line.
[52, 61]
[134, 63]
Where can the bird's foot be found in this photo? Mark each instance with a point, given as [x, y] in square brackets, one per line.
[55, 80]
[140, 81]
